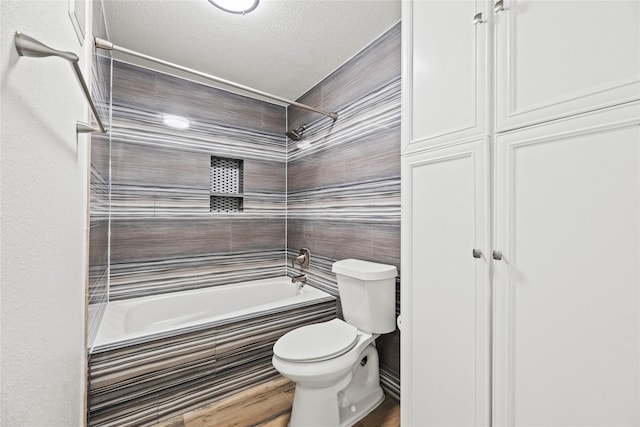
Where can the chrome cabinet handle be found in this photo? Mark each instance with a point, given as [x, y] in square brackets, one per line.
[498, 6]
[497, 255]
[477, 19]
[477, 253]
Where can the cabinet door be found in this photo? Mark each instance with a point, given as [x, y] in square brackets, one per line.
[444, 72]
[567, 290]
[558, 58]
[445, 290]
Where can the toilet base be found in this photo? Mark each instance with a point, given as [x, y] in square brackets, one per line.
[316, 414]
[363, 408]
[342, 404]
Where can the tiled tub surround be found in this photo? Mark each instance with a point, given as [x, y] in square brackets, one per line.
[163, 236]
[131, 280]
[343, 202]
[100, 83]
[344, 177]
[138, 379]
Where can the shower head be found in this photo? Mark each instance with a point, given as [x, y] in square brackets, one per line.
[296, 134]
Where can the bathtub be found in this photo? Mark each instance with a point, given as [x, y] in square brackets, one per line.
[126, 321]
[159, 356]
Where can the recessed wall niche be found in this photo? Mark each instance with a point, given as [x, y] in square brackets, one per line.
[226, 183]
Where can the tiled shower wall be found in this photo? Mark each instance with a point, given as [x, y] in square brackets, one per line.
[343, 189]
[163, 236]
[344, 177]
[99, 189]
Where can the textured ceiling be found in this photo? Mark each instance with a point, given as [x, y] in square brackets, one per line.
[284, 47]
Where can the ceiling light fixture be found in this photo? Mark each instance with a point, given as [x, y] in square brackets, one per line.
[236, 6]
[175, 121]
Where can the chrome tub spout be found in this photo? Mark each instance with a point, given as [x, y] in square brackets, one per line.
[300, 278]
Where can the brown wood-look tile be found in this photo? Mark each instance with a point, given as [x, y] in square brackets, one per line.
[269, 405]
[289, 390]
[257, 234]
[265, 176]
[243, 412]
[100, 154]
[173, 422]
[340, 240]
[280, 421]
[155, 91]
[261, 397]
[135, 164]
[385, 415]
[98, 242]
[389, 351]
[140, 240]
[379, 62]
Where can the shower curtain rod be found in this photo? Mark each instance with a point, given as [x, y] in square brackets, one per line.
[107, 45]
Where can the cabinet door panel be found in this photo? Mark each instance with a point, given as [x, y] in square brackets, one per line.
[558, 58]
[567, 293]
[445, 336]
[445, 71]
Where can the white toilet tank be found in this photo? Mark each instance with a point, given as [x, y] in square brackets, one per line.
[367, 294]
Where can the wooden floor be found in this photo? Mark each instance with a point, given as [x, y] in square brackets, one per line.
[269, 405]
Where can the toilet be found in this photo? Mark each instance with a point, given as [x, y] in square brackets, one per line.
[334, 364]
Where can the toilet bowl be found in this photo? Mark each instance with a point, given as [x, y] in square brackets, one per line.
[335, 389]
[335, 364]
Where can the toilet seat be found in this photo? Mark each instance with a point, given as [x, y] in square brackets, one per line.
[317, 342]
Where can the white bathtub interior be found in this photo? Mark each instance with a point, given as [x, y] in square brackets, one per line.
[134, 318]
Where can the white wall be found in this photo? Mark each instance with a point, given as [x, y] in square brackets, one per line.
[43, 222]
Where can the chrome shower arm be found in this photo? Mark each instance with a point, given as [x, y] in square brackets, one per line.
[28, 46]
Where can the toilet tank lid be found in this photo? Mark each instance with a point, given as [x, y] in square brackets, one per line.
[364, 270]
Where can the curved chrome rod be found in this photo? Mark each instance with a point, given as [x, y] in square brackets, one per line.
[107, 45]
[28, 46]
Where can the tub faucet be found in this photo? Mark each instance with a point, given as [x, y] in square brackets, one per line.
[300, 278]
[303, 258]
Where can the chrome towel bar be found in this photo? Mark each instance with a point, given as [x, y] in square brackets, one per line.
[28, 46]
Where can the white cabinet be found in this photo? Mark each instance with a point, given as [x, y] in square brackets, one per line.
[558, 58]
[567, 291]
[446, 310]
[445, 59]
[521, 138]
